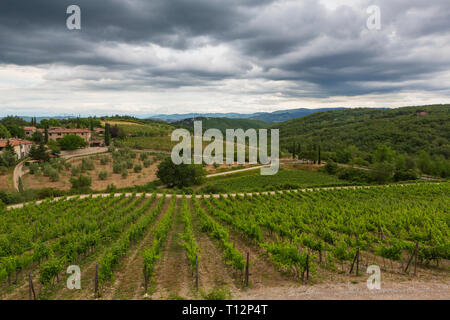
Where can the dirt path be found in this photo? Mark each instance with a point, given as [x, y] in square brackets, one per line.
[21, 205]
[172, 272]
[235, 171]
[415, 290]
[83, 152]
[19, 172]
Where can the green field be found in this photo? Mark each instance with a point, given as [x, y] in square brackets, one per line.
[304, 236]
[252, 180]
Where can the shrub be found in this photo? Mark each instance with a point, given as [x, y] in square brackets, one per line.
[87, 164]
[331, 167]
[117, 167]
[34, 167]
[47, 169]
[111, 188]
[102, 175]
[54, 176]
[81, 183]
[104, 160]
[2, 205]
[124, 173]
[143, 156]
[147, 163]
[67, 165]
[212, 189]
[129, 164]
[137, 168]
[76, 170]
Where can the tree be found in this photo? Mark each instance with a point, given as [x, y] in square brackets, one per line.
[4, 133]
[182, 175]
[39, 153]
[382, 172]
[8, 157]
[318, 155]
[46, 123]
[331, 167]
[54, 147]
[72, 142]
[107, 134]
[46, 135]
[424, 162]
[16, 131]
[37, 137]
[20, 184]
[384, 154]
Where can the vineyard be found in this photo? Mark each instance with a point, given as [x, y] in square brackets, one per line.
[149, 246]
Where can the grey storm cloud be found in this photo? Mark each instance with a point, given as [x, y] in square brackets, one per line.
[303, 42]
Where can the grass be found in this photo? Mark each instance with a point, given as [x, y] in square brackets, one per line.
[6, 180]
[141, 143]
[141, 130]
[218, 293]
[285, 179]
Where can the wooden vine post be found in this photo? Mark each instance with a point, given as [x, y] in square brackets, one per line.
[414, 254]
[30, 283]
[145, 278]
[307, 267]
[196, 272]
[96, 295]
[415, 258]
[357, 262]
[247, 269]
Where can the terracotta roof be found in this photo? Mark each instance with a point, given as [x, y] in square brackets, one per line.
[62, 130]
[13, 142]
[29, 128]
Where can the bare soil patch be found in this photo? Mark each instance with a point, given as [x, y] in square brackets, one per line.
[133, 178]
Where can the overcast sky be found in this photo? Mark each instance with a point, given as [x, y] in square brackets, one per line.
[145, 57]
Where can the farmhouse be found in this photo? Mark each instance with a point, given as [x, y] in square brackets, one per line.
[99, 131]
[21, 147]
[56, 133]
[29, 131]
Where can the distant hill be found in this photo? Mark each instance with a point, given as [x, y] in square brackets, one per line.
[277, 116]
[38, 119]
[222, 123]
[407, 129]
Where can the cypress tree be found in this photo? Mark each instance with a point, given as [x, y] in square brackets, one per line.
[319, 155]
[20, 185]
[46, 135]
[107, 134]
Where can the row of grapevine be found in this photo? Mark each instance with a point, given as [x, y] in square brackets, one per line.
[231, 255]
[152, 254]
[131, 235]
